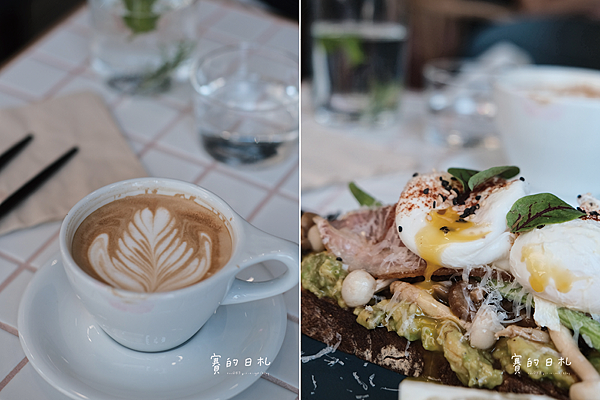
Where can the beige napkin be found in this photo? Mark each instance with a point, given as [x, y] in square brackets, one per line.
[81, 120]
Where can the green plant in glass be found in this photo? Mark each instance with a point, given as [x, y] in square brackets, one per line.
[141, 18]
[382, 95]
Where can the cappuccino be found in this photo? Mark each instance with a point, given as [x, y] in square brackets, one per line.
[152, 243]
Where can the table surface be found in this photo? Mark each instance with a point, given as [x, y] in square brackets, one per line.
[160, 132]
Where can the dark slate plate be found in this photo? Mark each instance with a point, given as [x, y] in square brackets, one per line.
[341, 376]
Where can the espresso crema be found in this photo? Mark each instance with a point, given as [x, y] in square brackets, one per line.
[152, 243]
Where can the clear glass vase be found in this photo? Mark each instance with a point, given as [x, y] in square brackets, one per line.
[139, 46]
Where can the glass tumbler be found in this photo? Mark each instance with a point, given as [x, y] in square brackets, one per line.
[358, 61]
[460, 108]
[246, 104]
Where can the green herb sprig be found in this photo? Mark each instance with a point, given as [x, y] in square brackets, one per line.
[164, 71]
[537, 210]
[140, 17]
[470, 178]
[363, 198]
[350, 45]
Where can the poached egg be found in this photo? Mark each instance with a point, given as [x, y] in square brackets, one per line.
[436, 222]
[560, 263]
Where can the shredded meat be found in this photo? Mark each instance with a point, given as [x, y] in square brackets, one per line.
[367, 239]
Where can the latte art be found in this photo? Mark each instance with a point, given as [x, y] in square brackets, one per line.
[151, 257]
[151, 243]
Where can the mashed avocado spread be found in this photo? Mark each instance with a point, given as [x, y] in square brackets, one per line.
[473, 367]
[323, 275]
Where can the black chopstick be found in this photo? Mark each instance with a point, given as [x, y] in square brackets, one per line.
[14, 150]
[21, 194]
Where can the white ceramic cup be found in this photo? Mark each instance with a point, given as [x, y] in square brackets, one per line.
[550, 129]
[163, 320]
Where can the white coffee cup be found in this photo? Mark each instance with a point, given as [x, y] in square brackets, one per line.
[549, 122]
[163, 320]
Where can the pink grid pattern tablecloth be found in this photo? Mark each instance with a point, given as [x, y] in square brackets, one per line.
[160, 131]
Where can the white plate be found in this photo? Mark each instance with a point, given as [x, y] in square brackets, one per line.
[72, 353]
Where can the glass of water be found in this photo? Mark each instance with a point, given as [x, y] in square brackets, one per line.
[460, 109]
[139, 46]
[246, 104]
[358, 52]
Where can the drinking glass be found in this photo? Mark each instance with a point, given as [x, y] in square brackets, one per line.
[138, 46]
[358, 60]
[460, 109]
[246, 104]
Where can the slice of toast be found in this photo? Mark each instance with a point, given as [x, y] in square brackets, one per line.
[323, 320]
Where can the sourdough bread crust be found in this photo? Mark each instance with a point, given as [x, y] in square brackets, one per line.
[323, 320]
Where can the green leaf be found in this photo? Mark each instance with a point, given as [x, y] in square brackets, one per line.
[382, 97]
[140, 17]
[351, 46]
[139, 25]
[535, 210]
[506, 172]
[463, 175]
[471, 178]
[587, 326]
[154, 78]
[362, 197]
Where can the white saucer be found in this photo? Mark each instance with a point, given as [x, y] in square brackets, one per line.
[72, 353]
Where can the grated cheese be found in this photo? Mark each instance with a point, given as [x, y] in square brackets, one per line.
[322, 352]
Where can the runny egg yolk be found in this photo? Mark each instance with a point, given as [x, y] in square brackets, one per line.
[542, 268]
[427, 285]
[442, 228]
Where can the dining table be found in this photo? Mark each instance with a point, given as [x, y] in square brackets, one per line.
[159, 131]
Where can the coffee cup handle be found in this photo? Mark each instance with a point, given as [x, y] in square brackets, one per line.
[258, 247]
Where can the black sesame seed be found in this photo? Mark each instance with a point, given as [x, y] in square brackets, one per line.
[399, 228]
[461, 220]
[578, 196]
[540, 226]
[594, 213]
[477, 197]
[443, 198]
[453, 178]
[522, 179]
[434, 203]
[445, 229]
[426, 191]
[415, 174]
[339, 259]
[579, 209]
[454, 201]
[469, 211]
